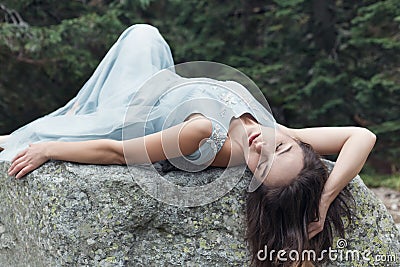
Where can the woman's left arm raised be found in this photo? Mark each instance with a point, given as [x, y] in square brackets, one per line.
[352, 144]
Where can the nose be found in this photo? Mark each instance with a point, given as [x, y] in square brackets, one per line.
[259, 146]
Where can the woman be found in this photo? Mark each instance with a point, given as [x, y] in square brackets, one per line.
[288, 211]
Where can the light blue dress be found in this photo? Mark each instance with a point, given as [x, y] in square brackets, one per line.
[114, 104]
[110, 104]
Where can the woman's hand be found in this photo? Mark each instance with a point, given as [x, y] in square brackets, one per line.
[28, 160]
[316, 227]
[353, 145]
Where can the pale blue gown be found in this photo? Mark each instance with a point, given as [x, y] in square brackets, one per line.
[100, 108]
[111, 105]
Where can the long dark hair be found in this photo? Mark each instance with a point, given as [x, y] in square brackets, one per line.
[278, 216]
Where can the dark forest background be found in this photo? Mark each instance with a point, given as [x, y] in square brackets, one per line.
[318, 62]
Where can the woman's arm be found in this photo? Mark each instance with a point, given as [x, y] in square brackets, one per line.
[353, 145]
[182, 139]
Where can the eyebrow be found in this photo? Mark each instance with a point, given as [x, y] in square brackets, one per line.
[261, 163]
[265, 169]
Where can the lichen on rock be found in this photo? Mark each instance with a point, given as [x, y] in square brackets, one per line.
[66, 214]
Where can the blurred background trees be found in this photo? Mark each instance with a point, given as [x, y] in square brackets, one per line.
[318, 62]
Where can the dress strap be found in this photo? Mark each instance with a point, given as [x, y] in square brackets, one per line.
[218, 136]
[209, 149]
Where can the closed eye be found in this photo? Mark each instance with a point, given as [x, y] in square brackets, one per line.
[286, 150]
[261, 163]
[278, 146]
[265, 167]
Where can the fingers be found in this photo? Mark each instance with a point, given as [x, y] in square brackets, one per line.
[21, 169]
[311, 230]
[314, 228]
[24, 171]
[16, 160]
[15, 164]
[20, 154]
[18, 166]
[312, 234]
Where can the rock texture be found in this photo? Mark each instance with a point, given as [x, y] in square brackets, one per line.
[391, 199]
[67, 214]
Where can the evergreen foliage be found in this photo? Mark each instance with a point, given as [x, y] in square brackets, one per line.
[318, 62]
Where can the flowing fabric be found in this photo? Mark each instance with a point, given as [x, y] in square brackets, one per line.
[173, 98]
[99, 107]
[134, 92]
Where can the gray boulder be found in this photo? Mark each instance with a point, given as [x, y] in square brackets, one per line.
[66, 214]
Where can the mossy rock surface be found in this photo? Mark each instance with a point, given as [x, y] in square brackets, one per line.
[66, 214]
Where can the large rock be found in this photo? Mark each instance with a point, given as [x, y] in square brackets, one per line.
[67, 214]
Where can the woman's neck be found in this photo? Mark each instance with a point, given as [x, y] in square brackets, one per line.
[240, 129]
[236, 142]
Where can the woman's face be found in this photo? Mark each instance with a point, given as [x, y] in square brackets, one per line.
[287, 161]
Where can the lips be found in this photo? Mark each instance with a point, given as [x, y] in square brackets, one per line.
[252, 137]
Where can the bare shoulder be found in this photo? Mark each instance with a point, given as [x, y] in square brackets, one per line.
[199, 125]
